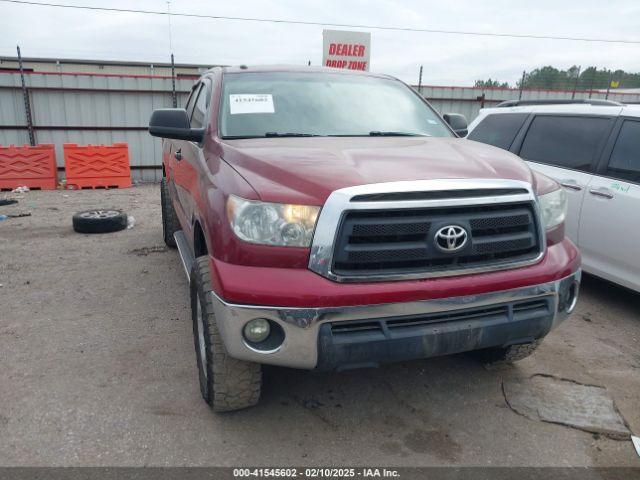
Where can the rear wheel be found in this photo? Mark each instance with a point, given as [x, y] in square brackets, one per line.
[225, 383]
[170, 224]
[509, 354]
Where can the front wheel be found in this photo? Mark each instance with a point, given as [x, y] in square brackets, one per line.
[226, 383]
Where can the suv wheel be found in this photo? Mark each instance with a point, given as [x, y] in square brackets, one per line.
[170, 224]
[225, 383]
[509, 354]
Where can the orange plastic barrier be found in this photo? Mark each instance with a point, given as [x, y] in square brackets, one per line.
[34, 167]
[97, 166]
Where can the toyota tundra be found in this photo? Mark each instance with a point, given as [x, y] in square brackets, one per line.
[331, 219]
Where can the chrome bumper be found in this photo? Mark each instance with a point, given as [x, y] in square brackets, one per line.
[301, 326]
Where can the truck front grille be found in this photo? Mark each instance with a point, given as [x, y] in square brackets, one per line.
[401, 241]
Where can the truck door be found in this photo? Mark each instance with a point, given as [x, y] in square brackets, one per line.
[609, 227]
[190, 159]
[175, 156]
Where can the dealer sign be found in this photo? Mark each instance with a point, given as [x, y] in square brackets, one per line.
[349, 50]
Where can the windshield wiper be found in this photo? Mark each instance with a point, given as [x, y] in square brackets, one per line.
[374, 133]
[377, 133]
[290, 134]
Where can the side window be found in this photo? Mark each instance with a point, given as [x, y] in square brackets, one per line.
[192, 99]
[200, 109]
[498, 129]
[625, 157]
[566, 142]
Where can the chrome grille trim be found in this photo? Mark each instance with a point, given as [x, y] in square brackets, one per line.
[341, 201]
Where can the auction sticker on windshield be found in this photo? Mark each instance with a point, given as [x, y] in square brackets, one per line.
[251, 103]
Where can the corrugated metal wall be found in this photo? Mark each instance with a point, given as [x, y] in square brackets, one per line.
[90, 109]
[105, 109]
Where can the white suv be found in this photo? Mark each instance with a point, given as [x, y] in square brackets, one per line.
[594, 152]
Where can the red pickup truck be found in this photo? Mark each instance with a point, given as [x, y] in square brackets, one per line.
[332, 219]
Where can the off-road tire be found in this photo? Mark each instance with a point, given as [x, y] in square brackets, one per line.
[170, 224]
[226, 384]
[99, 221]
[512, 353]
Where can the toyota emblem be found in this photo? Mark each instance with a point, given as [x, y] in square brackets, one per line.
[451, 238]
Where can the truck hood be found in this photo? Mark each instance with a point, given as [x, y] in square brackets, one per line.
[307, 170]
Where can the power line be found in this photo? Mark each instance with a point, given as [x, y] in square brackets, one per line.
[324, 24]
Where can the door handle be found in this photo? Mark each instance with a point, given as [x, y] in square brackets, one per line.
[571, 185]
[178, 154]
[601, 193]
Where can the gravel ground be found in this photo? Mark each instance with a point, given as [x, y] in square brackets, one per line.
[97, 367]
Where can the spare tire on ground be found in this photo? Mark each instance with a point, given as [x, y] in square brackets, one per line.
[99, 221]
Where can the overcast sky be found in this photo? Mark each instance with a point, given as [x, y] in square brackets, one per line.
[447, 59]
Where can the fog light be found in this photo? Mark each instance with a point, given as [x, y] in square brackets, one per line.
[257, 330]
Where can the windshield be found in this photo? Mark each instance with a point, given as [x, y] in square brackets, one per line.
[322, 104]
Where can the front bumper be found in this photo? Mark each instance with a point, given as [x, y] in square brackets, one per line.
[351, 336]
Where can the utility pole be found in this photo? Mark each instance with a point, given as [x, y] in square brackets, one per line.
[173, 84]
[593, 79]
[420, 80]
[524, 73]
[606, 97]
[169, 19]
[575, 85]
[27, 103]
[174, 97]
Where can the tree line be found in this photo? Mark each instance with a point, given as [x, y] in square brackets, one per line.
[556, 79]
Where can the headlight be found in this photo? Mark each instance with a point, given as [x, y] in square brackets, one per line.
[272, 223]
[553, 208]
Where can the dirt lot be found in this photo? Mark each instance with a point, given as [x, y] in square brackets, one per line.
[97, 367]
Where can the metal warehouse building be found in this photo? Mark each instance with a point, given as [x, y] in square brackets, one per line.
[107, 67]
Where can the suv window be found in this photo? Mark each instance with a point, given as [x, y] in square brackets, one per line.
[564, 141]
[498, 129]
[199, 109]
[625, 158]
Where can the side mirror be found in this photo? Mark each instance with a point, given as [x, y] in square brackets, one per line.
[174, 123]
[457, 122]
